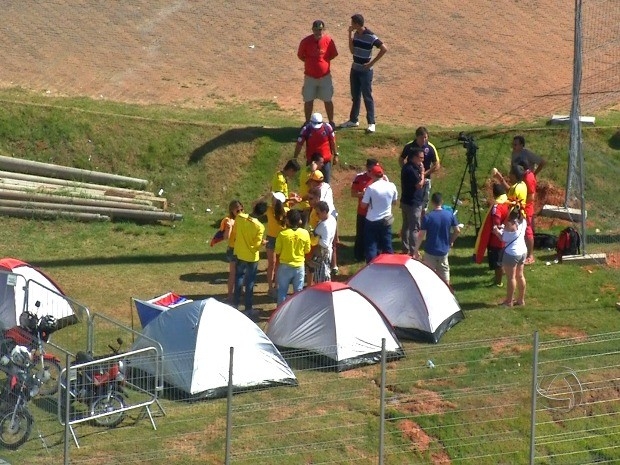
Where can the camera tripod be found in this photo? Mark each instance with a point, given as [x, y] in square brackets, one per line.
[470, 167]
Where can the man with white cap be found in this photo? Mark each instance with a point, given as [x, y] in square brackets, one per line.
[318, 137]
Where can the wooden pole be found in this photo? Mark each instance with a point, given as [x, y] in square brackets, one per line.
[64, 172]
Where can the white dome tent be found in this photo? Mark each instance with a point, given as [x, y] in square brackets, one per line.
[417, 302]
[196, 338]
[338, 323]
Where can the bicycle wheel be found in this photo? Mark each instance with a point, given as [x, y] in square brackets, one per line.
[15, 430]
[50, 384]
[111, 405]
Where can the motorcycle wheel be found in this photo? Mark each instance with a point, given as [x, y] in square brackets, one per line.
[106, 405]
[49, 387]
[14, 433]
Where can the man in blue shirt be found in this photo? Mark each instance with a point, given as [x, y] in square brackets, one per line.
[361, 42]
[441, 232]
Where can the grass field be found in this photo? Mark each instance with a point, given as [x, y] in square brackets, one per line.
[202, 159]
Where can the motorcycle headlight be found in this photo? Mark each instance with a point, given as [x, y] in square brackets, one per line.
[34, 390]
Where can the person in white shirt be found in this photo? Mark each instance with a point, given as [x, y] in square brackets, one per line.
[515, 252]
[316, 179]
[325, 231]
[379, 198]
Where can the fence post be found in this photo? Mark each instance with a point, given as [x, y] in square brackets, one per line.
[229, 407]
[534, 394]
[65, 412]
[382, 403]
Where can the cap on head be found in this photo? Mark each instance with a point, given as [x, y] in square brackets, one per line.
[318, 24]
[377, 171]
[316, 175]
[279, 196]
[316, 119]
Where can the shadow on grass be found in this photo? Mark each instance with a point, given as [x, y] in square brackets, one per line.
[241, 135]
[131, 260]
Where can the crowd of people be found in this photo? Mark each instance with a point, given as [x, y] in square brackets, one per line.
[301, 235]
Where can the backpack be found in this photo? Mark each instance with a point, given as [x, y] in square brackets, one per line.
[569, 242]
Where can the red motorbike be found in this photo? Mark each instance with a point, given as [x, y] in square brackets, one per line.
[32, 332]
[98, 386]
[21, 385]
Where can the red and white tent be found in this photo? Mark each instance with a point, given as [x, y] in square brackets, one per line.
[337, 323]
[417, 302]
[22, 286]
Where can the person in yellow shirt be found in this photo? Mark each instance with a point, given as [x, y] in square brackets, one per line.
[304, 174]
[227, 226]
[292, 245]
[276, 222]
[279, 183]
[516, 188]
[314, 197]
[248, 241]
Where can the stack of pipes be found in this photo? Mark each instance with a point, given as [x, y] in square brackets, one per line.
[32, 189]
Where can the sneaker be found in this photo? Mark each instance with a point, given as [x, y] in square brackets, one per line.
[252, 314]
[335, 271]
[370, 129]
[349, 124]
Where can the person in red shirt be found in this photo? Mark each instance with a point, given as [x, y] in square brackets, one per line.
[495, 248]
[319, 138]
[317, 51]
[358, 186]
[529, 178]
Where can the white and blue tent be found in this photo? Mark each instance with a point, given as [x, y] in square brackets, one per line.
[196, 338]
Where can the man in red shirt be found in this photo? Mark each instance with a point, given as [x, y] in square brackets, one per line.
[358, 186]
[319, 138]
[316, 51]
[495, 248]
[529, 178]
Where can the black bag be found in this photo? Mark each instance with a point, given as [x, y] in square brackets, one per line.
[545, 241]
[569, 242]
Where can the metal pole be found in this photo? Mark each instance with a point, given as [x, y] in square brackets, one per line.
[65, 413]
[382, 403]
[534, 394]
[229, 407]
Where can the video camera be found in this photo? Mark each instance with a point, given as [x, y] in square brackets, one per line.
[468, 141]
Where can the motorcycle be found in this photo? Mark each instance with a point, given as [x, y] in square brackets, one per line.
[21, 385]
[99, 386]
[32, 332]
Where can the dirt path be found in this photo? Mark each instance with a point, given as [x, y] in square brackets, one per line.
[449, 63]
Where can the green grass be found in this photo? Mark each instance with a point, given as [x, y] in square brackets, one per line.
[202, 159]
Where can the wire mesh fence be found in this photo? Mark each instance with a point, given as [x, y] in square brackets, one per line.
[466, 403]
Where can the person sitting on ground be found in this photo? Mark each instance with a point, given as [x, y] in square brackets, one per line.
[280, 180]
[325, 231]
[513, 261]
[292, 244]
[441, 231]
